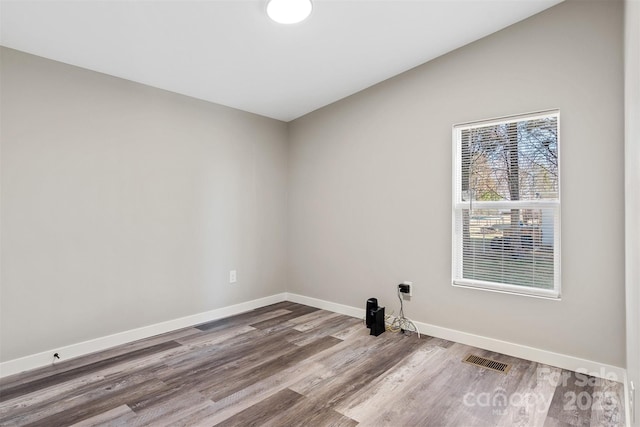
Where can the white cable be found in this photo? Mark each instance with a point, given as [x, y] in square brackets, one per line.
[401, 322]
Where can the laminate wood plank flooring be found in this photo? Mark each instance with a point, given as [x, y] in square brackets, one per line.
[292, 365]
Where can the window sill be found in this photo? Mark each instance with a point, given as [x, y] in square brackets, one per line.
[548, 294]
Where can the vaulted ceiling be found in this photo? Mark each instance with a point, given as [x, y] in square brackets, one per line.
[229, 52]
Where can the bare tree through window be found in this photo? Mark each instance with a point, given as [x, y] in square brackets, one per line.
[507, 201]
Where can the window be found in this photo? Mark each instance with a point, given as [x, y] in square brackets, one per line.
[506, 205]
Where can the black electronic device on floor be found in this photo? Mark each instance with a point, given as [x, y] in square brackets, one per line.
[375, 317]
[372, 305]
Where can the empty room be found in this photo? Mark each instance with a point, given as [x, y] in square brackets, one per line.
[320, 213]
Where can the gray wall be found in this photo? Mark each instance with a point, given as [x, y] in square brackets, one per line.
[124, 205]
[370, 183]
[632, 195]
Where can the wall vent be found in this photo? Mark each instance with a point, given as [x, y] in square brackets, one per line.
[487, 363]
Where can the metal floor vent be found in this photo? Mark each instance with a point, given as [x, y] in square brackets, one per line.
[487, 363]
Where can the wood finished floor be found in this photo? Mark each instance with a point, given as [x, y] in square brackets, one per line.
[292, 365]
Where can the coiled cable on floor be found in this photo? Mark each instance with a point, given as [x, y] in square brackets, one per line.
[400, 323]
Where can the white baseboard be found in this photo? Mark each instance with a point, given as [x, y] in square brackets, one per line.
[326, 305]
[74, 350]
[546, 357]
[517, 350]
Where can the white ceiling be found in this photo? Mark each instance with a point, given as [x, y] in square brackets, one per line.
[230, 53]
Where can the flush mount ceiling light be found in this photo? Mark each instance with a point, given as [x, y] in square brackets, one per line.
[289, 11]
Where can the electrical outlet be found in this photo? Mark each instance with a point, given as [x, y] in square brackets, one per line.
[406, 288]
[233, 278]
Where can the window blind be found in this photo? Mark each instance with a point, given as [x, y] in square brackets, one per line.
[507, 204]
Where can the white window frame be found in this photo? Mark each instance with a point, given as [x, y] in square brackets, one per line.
[458, 204]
